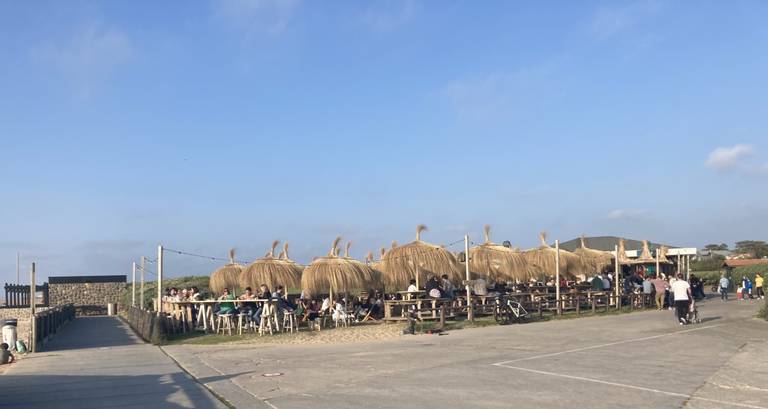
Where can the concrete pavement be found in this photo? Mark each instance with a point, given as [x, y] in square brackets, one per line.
[97, 362]
[644, 359]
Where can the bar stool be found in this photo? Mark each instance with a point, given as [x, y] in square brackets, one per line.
[268, 320]
[224, 323]
[290, 322]
[243, 320]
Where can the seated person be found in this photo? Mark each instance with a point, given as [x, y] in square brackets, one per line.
[597, 283]
[433, 288]
[313, 309]
[6, 357]
[283, 304]
[362, 309]
[249, 308]
[412, 286]
[340, 310]
[500, 287]
[226, 307]
[377, 306]
[449, 290]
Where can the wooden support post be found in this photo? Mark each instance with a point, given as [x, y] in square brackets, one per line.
[159, 280]
[578, 304]
[33, 323]
[617, 274]
[470, 313]
[133, 284]
[558, 306]
[141, 287]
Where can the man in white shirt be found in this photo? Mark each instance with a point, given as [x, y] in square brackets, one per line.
[412, 287]
[682, 293]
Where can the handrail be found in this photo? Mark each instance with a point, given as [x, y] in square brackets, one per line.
[46, 323]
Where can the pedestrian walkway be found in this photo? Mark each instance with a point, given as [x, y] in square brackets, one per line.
[97, 362]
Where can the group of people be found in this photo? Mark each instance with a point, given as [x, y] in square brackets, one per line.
[435, 287]
[252, 305]
[184, 294]
[745, 289]
[305, 307]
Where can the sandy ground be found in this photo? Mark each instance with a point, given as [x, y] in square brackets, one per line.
[353, 334]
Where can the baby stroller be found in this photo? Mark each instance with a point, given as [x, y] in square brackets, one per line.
[693, 314]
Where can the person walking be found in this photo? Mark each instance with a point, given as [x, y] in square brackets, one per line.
[660, 285]
[759, 286]
[671, 297]
[724, 284]
[682, 293]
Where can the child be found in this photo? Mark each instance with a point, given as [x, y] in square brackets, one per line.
[6, 357]
[739, 292]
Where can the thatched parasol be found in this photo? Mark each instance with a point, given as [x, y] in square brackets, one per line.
[623, 259]
[544, 257]
[272, 271]
[498, 262]
[402, 263]
[227, 276]
[663, 255]
[645, 256]
[333, 273]
[596, 260]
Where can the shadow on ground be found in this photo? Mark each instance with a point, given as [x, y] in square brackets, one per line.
[92, 392]
[82, 333]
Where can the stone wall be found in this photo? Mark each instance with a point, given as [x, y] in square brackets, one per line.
[87, 297]
[23, 327]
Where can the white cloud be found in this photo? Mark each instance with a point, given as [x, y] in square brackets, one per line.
[89, 57]
[610, 21]
[728, 157]
[389, 15]
[253, 17]
[739, 158]
[627, 214]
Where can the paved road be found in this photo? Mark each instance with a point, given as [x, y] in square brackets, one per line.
[643, 359]
[97, 362]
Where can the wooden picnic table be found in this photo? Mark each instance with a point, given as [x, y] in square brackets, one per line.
[411, 295]
[419, 303]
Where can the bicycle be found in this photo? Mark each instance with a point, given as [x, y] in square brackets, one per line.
[509, 309]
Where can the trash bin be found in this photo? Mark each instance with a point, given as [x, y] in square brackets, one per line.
[9, 334]
[111, 308]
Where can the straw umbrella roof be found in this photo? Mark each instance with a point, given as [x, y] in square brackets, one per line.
[663, 255]
[623, 259]
[375, 276]
[401, 263]
[272, 271]
[498, 262]
[334, 273]
[597, 260]
[544, 257]
[227, 276]
[645, 256]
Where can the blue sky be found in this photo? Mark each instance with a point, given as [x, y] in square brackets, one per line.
[206, 125]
